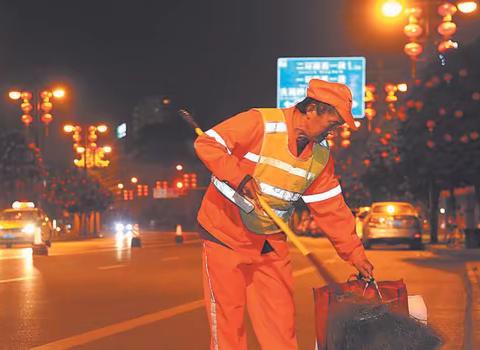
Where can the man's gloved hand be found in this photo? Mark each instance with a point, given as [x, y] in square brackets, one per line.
[364, 267]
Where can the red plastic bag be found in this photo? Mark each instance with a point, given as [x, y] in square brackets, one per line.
[391, 293]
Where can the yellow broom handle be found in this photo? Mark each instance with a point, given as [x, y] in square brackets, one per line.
[284, 226]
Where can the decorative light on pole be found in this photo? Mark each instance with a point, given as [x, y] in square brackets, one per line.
[44, 105]
[392, 8]
[447, 28]
[92, 156]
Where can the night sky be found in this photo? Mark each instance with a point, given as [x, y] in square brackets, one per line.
[215, 57]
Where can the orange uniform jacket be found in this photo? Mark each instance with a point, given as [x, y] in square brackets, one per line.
[222, 150]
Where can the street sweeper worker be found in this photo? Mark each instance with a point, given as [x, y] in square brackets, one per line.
[282, 156]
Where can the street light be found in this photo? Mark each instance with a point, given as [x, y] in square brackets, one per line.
[392, 8]
[467, 6]
[134, 180]
[38, 103]
[179, 167]
[102, 128]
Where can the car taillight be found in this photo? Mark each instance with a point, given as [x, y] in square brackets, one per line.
[376, 221]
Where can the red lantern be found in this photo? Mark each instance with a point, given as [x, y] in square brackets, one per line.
[46, 106]
[448, 137]
[446, 45]
[446, 9]
[384, 141]
[419, 106]
[474, 135]
[388, 116]
[410, 103]
[413, 49]
[430, 125]
[397, 159]
[413, 30]
[442, 111]
[27, 119]
[476, 96]
[367, 162]
[388, 136]
[377, 131]
[26, 107]
[447, 28]
[458, 113]
[430, 144]
[448, 77]
[26, 95]
[435, 80]
[346, 143]
[47, 118]
[345, 133]
[46, 94]
[463, 72]
[464, 139]
[370, 113]
[384, 154]
[416, 12]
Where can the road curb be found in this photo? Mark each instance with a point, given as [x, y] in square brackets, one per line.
[472, 312]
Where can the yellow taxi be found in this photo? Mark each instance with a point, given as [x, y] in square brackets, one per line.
[24, 224]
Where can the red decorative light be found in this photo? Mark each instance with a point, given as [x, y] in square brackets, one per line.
[27, 119]
[447, 28]
[346, 143]
[418, 106]
[388, 136]
[383, 141]
[377, 131]
[413, 30]
[367, 162]
[446, 9]
[384, 154]
[430, 125]
[448, 137]
[410, 104]
[463, 72]
[474, 135]
[446, 45]
[47, 118]
[46, 106]
[448, 77]
[397, 159]
[442, 111]
[458, 113]
[26, 107]
[476, 96]
[430, 144]
[26, 95]
[464, 139]
[413, 49]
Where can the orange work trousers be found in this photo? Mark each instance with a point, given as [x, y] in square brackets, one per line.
[264, 284]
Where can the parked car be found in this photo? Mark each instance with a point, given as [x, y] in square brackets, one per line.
[360, 215]
[21, 223]
[392, 223]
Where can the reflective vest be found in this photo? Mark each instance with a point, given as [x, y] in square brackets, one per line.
[281, 176]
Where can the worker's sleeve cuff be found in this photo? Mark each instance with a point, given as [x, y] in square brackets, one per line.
[357, 255]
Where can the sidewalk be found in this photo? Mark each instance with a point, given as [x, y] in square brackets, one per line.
[471, 258]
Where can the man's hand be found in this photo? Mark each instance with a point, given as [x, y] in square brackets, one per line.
[364, 267]
[251, 191]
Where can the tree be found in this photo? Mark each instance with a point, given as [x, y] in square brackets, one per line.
[440, 141]
[21, 168]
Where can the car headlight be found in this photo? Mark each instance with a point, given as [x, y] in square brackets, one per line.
[29, 229]
[119, 227]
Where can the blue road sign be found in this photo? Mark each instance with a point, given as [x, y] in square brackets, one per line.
[294, 73]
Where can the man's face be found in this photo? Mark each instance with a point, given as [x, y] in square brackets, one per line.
[317, 127]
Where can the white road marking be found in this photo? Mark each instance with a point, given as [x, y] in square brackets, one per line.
[120, 327]
[111, 267]
[18, 279]
[99, 333]
[170, 258]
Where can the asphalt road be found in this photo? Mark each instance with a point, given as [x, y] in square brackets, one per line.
[102, 294]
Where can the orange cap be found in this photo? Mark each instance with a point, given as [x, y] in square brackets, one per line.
[335, 94]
